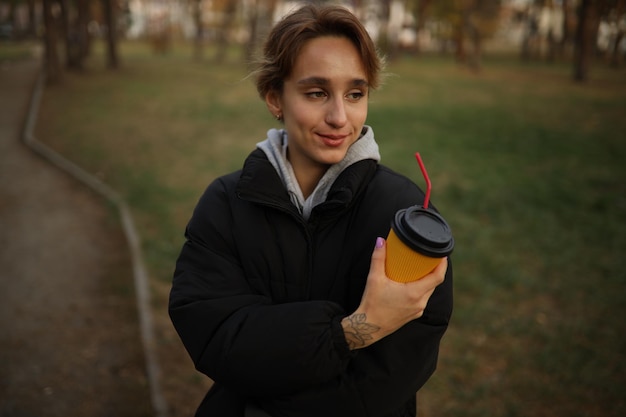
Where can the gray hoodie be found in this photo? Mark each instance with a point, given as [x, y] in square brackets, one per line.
[275, 147]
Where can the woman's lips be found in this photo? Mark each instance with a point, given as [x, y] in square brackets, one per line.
[333, 140]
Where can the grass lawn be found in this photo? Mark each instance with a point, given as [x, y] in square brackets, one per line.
[528, 168]
[13, 50]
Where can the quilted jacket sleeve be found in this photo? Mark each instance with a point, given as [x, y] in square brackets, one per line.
[382, 378]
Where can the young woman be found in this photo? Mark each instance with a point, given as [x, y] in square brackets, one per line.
[280, 294]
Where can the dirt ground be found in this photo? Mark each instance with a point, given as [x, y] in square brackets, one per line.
[69, 339]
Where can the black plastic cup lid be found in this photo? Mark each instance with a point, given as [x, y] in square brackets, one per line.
[424, 231]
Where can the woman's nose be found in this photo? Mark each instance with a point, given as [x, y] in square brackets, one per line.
[336, 114]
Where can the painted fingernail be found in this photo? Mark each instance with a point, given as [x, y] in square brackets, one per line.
[379, 242]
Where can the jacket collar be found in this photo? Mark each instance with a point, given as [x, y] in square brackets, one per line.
[260, 183]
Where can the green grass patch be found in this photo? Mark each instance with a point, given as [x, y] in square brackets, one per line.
[527, 166]
[18, 50]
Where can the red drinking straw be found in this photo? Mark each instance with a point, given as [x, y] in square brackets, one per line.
[425, 174]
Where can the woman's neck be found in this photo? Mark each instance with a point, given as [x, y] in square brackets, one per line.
[308, 174]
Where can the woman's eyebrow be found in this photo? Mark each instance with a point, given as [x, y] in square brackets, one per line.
[313, 81]
[357, 82]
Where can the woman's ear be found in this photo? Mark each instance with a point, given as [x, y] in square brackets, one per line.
[272, 100]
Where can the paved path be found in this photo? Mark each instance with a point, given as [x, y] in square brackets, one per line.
[69, 338]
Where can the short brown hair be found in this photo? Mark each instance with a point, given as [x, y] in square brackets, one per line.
[289, 35]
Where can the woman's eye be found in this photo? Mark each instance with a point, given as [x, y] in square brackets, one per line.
[355, 96]
[316, 94]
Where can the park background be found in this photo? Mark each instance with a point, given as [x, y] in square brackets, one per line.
[522, 131]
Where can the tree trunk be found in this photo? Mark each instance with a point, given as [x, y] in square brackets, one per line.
[253, 31]
[385, 43]
[459, 34]
[616, 53]
[11, 17]
[567, 36]
[82, 27]
[477, 49]
[586, 32]
[199, 37]
[52, 66]
[73, 56]
[32, 20]
[226, 26]
[259, 24]
[109, 20]
[420, 15]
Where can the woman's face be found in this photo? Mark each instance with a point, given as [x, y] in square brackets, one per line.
[323, 103]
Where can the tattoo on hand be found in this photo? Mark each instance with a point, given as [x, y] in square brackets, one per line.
[358, 331]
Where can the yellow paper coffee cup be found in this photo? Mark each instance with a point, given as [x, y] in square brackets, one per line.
[418, 239]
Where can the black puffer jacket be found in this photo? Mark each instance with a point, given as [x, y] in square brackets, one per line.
[258, 296]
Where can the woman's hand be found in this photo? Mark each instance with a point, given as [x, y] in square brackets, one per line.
[387, 305]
